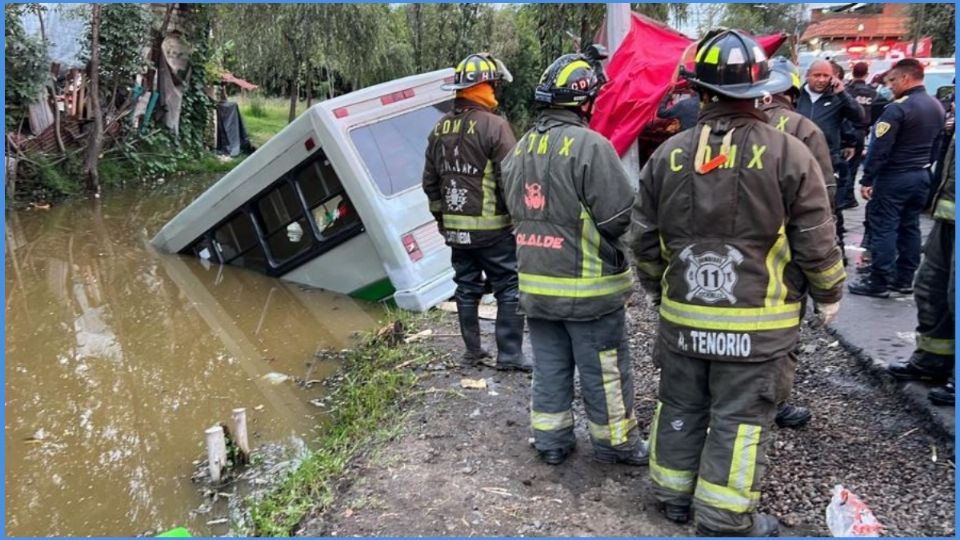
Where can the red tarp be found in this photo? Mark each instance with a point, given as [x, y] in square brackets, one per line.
[639, 74]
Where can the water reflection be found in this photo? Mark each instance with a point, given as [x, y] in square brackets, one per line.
[117, 358]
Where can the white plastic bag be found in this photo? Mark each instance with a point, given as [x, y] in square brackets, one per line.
[848, 516]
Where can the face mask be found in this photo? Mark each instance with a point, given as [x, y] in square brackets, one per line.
[884, 92]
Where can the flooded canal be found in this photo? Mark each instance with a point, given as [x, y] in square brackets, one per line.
[118, 358]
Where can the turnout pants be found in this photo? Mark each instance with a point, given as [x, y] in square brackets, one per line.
[710, 434]
[934, 291]
[497, 262]
[599, 351]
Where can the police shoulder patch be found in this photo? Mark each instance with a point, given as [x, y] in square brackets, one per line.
[881, 129]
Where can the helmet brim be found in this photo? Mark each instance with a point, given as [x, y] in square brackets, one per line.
[461, 86]
[777, 83]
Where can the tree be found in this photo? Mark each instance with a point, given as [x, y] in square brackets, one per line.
[936, 21]
[124, 32]
[25, 63]
[676, 14]
[95, 135]
[765, 18]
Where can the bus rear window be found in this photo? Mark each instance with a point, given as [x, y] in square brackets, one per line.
[393, 148]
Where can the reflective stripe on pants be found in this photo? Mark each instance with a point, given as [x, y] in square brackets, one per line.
[598, 350]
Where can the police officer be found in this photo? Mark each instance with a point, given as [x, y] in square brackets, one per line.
[935, 285]
[461, 178]
[732, 221]
[865, 96]
[779, 109]
[570, 198]
[896, 179]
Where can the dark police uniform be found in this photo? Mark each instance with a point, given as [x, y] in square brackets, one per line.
[865, 95]
[905, 139]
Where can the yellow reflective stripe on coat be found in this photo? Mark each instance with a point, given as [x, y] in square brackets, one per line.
[575, 287]
[589, 246]
[726, 498]
[618, 425]
[489, 184]
[543, 421]
[945, 209]
[777, 259]
[943, 347]
[827, 279]
[680, 481]
[725, 318]
[475, 223]
[436, 206]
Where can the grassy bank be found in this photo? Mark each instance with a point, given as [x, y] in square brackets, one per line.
[264, 117]
[375, 379]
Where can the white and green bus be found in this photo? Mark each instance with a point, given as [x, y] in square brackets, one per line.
[334, 200]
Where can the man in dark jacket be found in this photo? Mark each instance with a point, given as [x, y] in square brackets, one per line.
[731, 229]
[570, 198]
[896, 179]
[461, 178]
[825, 101]
[865, 96]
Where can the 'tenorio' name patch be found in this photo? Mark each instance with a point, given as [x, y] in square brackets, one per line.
[717, 343]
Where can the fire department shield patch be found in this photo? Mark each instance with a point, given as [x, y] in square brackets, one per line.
[456, 197]
[881, 129]
[710, 276]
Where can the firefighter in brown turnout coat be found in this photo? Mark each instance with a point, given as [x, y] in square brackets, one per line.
[570, 199]
[779, 109]
[731, 227]
[461, 178]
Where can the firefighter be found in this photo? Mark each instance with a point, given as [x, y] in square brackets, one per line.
[570, 198]
[779, 109]
[461, 178]
[935, 285]
[731, 228]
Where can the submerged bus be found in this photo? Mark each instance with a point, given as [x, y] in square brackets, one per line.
[334, 200]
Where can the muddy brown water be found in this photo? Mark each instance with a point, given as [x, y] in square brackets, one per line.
[118, 357]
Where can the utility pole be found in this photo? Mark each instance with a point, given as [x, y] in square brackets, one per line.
[619, 19]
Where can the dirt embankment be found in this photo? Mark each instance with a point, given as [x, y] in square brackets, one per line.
[463, 466]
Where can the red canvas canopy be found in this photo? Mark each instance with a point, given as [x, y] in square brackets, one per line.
[640, 73]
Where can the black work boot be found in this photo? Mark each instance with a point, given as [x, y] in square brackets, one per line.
[869, 287]
[677, 513]
[792, 416]
[468, 314]
[921, 366]
[637, 457]
[902, 288]
[555, 456]
[943, 395]
[764, 525]
[509, 332]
